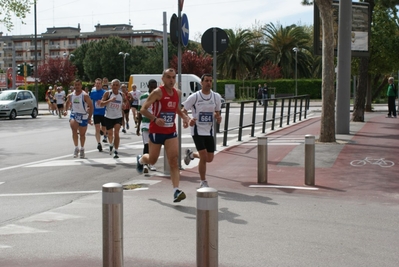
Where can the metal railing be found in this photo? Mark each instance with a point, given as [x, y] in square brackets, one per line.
[290, 109]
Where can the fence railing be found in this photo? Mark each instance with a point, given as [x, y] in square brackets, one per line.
[284, 109]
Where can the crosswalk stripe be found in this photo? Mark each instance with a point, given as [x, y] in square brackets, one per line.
[12, 229]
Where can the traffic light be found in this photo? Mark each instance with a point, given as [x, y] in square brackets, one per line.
[30, 69]
[20, 70]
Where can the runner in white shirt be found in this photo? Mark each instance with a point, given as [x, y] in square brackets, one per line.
[113, 101]
[205, 106]
[81, 111]
[135, 93]
[60, 99]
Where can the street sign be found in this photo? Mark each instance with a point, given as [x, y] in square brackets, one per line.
[222, 41]
[174, 30]
[184, 30]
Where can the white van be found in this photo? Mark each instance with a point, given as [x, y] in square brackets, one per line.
[190, 83]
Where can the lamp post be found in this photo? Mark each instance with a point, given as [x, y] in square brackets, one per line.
[124, 62]
[296, 49]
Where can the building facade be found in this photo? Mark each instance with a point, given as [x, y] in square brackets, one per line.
[62, 41]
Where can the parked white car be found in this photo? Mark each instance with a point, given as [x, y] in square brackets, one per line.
[15, 103]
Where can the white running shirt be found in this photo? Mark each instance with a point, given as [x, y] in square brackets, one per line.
[114, 109]
[136, 97]
[60, 97]
[79, 105]
[203, 108]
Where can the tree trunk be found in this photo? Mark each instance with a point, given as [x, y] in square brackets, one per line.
[358, 107]
[327, 127]
[368, 94]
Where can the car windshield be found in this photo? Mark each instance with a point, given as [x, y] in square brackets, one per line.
[7, 95]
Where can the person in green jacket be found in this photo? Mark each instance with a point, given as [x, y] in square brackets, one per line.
[391, 93]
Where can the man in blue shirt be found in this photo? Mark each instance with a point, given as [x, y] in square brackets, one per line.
[98, 114]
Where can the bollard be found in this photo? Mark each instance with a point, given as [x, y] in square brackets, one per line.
[309, 159]
[262, 159]
[207, 227]
[112, 225]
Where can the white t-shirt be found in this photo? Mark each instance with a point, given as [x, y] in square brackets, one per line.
[203, 108]
[114, 109]
[79, 105]
[136, 97]
[60, 97]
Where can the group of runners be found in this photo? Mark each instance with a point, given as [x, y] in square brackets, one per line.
[156, 113]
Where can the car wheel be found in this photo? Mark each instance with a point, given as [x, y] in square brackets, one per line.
[13, 114]
[34, 113]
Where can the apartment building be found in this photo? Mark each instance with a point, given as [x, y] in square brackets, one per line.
[62, 41]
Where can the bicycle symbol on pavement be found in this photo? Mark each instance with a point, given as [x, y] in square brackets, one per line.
[381, 162]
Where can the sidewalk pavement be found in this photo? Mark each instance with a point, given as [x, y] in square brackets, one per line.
[349, 218]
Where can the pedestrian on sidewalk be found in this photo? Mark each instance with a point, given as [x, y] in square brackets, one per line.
[205, 106]
[164, 102]
[81, 111]
[260, 94]
[392, 95]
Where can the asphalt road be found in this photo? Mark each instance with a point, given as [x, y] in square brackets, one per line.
[51, 211]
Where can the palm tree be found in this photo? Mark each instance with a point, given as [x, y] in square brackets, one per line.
[238, 57]
[280, 42]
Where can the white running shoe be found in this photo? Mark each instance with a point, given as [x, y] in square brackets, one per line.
[76, 152]
[82, 153]
[152, 168]
[187, 157]
[203, 184]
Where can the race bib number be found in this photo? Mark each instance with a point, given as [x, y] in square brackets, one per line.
[205, 117]
[169, 118]
[97, 104]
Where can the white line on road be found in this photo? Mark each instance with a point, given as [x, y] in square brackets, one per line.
[284, 187]
[49, 193]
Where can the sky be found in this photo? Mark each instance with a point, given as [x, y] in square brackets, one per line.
[148, 14]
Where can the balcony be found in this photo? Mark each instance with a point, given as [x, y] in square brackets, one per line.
[38, 57]
[19, 48]
[32, 47]
[54, 47]
[72, 46]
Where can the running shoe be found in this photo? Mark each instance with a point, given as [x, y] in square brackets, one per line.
[203, 184]
[152, 168]
[116, 154]
[123, 130]
[139, 166]
[82, 153]
[127, 125]
[178, 196]
[105, 139]
[187, 157]
[76, 152]
[145, 169]
[101, 132]
[99, 147]
[110, 149]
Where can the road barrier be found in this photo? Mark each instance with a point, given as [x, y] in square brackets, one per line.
[309, 159]
[112, 195]
[207, 227]
[262, 159]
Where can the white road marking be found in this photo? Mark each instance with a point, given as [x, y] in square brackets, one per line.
[49, 193]
[4, 246]
[1, 183]
[49, 217]
[12, 229]
[284, 187]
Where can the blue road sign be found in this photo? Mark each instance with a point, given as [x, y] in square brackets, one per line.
[184, 30]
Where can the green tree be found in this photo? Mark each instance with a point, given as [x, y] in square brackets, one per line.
[19, 8]
[327, 127]
[279, 49]
[237, 59]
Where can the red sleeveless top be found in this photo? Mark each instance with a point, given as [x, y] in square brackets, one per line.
[165, 109]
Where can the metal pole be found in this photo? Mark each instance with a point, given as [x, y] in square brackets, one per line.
[296, 71]
[262, 159]
[342, 109]
[36, 85]
[124, 67]
[207, 227]
[309, 159]
[112, 195]
[166, 168]
[214, 31]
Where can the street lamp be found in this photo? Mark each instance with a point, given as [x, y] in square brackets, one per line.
[296, 49]
[124, 62]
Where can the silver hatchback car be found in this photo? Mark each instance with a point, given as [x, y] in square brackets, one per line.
[15, 103]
